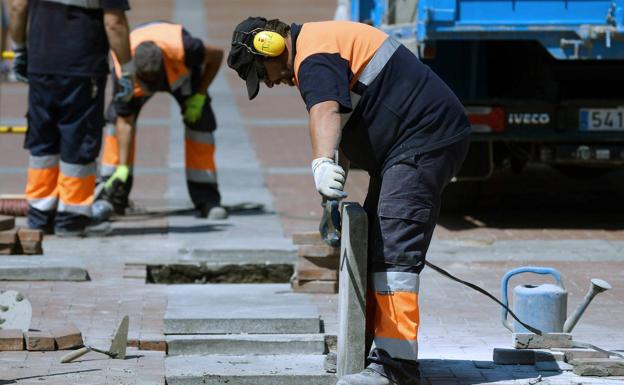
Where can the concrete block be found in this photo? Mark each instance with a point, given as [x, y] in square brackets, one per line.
[307, 238]
[513, 356]
[37, 268]
[317, 269]
[67, 337]
[330, 362]
[331, 342]
[552, 366]
[352, 292]
[239, 308]
[247, 370]
[8, 249]
[578, 354]
[6, 222]
[11, 339]
[8, 237]
[600, 367]
[39, 341]
[546, 341]
[15, 310]
[29, 235]
[484, 364]
[315, 286]
[319, 251]
[8, 242]
[549, 355]
[241, 344]
[30, 241]
[31, 248]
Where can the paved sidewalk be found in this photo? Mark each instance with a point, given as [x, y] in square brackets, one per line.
[263, 157]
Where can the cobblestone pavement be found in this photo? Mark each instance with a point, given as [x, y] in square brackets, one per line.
[458, 326]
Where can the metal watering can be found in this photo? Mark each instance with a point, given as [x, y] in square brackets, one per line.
[545, 306]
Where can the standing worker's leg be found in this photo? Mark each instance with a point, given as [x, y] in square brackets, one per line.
[201, 170]
[403, 208]
[43, 141]
[80, 125]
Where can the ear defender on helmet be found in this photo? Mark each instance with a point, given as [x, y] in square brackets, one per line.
[269, 43]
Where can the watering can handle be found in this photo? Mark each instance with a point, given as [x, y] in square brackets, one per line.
[524, 269]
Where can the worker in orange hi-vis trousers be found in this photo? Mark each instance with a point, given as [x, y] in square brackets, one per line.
[61, 50]
[167, 58]
[370, 98]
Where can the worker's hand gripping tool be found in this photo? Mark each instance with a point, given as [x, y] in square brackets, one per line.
[331, 223]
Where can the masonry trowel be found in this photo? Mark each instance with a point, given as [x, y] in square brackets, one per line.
[117, 349]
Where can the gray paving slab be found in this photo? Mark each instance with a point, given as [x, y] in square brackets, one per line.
[240, 344]
[172, 248]
[41, 268]
[247, 370]
[244, 308]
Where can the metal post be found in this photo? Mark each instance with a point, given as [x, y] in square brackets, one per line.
[352, 290]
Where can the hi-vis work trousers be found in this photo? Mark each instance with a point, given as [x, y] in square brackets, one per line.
[65, 120]
[402, 207]
[199, 145]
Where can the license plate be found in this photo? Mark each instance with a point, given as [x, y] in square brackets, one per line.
[601, 119]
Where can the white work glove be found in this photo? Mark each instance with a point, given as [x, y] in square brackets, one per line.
[329, 178]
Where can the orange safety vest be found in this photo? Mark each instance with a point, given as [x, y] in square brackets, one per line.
[168, 37]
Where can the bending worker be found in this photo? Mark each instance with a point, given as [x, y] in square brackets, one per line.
[64, 59]
[371, 98]
[167, 58]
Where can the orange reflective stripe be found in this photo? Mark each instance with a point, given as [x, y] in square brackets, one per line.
[396, 315]
[41, 183]
[354, 42]
[75, 190]
[110, 154]
[168, 37]
[200, 156]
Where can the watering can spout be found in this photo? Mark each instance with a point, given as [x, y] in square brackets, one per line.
[596, 286]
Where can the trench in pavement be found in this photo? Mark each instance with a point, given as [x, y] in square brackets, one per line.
[205, 274]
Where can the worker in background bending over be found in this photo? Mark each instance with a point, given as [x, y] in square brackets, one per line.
[371, 98]
[167, 58]
[64, 58]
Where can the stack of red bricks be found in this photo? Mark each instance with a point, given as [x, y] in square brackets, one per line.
[317, 266]
[63, 338]
[18, 240]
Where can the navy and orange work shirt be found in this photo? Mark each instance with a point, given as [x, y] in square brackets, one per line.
[398, 106]
[69, 40]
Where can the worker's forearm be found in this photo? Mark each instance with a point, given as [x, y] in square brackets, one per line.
[212, 63]
[325, 130]
[117, 31]
[125, 134]
[18, 19]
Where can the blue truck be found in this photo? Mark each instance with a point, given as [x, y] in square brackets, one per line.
[541, 80]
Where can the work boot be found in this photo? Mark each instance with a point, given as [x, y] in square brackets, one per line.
[213, 212]
[117, 196]
[94, 229]
[102, 210]
[365, 377]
